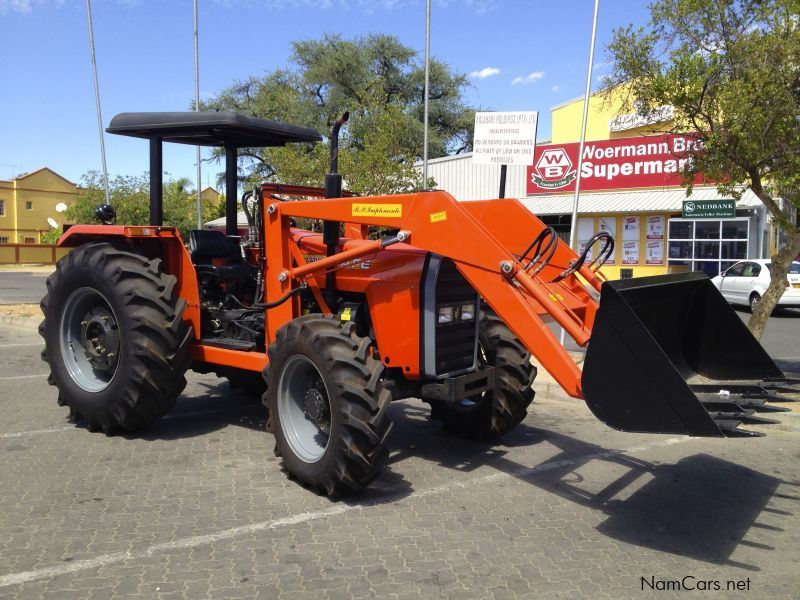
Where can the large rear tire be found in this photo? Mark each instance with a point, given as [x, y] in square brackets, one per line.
[498, 411]
[327, 405]
[115, 340]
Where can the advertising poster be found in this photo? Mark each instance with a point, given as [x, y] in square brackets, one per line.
[630, 252]
[608, 224]
[630, 240]
[655, 228]
[585, 233]
[655, 252]
[630, 228]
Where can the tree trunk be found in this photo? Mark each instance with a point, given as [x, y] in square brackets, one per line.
[777, 284]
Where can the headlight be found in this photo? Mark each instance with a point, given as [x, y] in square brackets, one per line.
[445, 314]
[467, 312]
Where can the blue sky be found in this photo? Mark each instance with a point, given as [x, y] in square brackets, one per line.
[521, 54]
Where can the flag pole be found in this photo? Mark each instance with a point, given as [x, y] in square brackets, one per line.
[427, 83]
[197, 108]
[97, 102]
[573, 230]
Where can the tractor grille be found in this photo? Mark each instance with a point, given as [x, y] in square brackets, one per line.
[448, 347]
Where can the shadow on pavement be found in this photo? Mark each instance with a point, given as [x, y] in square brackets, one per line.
[701, 507]
[215, 408]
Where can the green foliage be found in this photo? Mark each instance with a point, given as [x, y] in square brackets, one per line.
[51, 236]
[380, 82]
[731, 69]
[130, 196]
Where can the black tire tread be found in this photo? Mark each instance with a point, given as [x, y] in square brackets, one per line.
[513, 394]
[159, 342]
[359, 392]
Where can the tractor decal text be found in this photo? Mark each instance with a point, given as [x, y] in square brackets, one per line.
[439, 216]
[377, 210]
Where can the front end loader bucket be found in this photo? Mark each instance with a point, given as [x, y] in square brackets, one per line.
[669, 355]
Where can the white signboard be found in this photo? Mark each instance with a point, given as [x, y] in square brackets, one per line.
[504, 138]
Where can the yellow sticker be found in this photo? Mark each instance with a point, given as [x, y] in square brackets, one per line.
[345, 315]
[377, 210]
[439, 216]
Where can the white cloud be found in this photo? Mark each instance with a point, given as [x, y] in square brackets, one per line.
[485, 72]
[20, 6]
[556, 88]
[529, 78]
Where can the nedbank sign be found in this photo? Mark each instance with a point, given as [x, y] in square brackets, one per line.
[708, 209]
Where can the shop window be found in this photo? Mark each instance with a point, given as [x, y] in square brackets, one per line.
[734, 230]
[706, 230]
[710, 246]
[28, 205]
[681, 230]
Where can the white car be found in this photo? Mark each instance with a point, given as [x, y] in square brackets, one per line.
[746, 281]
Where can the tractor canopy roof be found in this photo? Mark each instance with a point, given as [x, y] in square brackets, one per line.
[210, 128]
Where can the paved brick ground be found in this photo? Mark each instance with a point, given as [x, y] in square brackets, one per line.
[198, 508]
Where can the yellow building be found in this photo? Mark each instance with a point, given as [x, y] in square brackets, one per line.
[28, 201]
[631, 186]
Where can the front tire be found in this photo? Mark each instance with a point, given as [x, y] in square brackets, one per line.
[115, 340]
[327, 404]
[754, 300]
[497, 412]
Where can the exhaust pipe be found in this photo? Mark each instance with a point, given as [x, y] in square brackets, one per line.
[333, 189]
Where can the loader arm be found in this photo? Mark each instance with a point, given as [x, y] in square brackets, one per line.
[438, 223]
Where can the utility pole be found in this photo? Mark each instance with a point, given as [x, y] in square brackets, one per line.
[427, 82]
[97, 102]
[197, 108]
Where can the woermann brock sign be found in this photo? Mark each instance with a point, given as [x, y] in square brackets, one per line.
[636, 162]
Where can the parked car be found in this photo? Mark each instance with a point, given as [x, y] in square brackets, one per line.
[745, 282]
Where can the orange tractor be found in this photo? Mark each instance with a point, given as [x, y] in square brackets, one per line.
[413, 295]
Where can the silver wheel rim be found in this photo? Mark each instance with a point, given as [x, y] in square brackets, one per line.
[300, 381]
[89, 339]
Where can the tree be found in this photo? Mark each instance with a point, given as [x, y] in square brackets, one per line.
[731, 70]
[380, 82]
[130, 196]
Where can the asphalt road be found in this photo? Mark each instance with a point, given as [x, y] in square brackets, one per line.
[22, 287]
[197, 507]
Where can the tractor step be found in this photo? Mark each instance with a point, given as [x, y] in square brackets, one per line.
[229, 344]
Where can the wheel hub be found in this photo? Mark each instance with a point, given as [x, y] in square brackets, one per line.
[315, 409]
[100, 338]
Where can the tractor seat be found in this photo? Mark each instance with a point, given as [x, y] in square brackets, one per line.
[208, 247]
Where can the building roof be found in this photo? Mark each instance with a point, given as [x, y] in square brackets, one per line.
[210, 128]
[32, 173]
[656, 201]
[241, 221]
